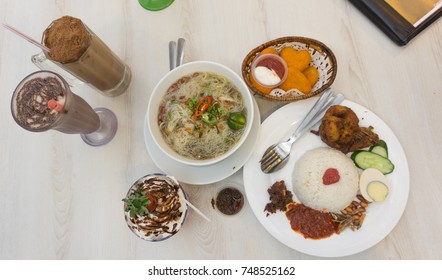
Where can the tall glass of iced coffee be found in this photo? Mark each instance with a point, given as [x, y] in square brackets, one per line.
[76, 49]
[44, 101]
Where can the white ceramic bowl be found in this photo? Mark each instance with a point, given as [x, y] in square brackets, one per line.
[170, 78]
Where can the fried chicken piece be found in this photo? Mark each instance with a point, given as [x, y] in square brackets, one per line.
[366, 137]
[340, 130]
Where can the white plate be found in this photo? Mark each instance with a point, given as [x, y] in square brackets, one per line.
[201, 175]
[381, 217]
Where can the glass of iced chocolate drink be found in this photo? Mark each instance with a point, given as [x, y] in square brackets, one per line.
[44, 101]
[77, 50]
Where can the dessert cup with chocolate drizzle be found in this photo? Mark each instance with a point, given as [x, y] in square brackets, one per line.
[165, 207]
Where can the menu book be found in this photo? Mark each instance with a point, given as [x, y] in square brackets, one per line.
[401, 20]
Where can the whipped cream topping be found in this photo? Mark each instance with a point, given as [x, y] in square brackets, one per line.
[30, 106]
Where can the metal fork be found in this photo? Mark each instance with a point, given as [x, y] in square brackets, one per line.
[276, 156]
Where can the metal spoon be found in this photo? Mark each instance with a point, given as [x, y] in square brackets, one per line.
[176, 55]
[180, 52]
[172, 55]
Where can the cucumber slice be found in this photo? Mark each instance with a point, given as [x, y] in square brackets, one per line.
[366, 159]
[380, 148]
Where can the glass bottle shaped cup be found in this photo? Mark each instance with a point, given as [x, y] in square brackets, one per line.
[98, 66]
[73, 116]
[155, 5]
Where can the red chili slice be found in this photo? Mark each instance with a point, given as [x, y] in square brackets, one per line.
[202, 106]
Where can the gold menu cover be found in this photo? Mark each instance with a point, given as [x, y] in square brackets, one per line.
[401, 20]
[413, 10]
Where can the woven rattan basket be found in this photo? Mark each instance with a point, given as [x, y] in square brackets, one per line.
[322, 58]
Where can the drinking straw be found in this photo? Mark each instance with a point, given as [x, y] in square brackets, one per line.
[24, 36]
[196, 210]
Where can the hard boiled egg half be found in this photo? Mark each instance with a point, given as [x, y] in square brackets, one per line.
[373, 185]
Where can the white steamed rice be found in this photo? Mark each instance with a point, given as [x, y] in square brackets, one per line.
[307, 180]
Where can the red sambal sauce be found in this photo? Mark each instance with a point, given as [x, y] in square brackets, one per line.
[331, 176]
[309, 222]
[273, 64]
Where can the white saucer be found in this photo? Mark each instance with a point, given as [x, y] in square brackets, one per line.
[206, 174]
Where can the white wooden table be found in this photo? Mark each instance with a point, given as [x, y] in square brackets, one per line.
[61, 199]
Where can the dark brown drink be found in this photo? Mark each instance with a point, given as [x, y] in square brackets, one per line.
[75, 48]
[43, 101]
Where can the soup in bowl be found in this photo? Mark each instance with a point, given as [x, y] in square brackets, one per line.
[200, 113]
